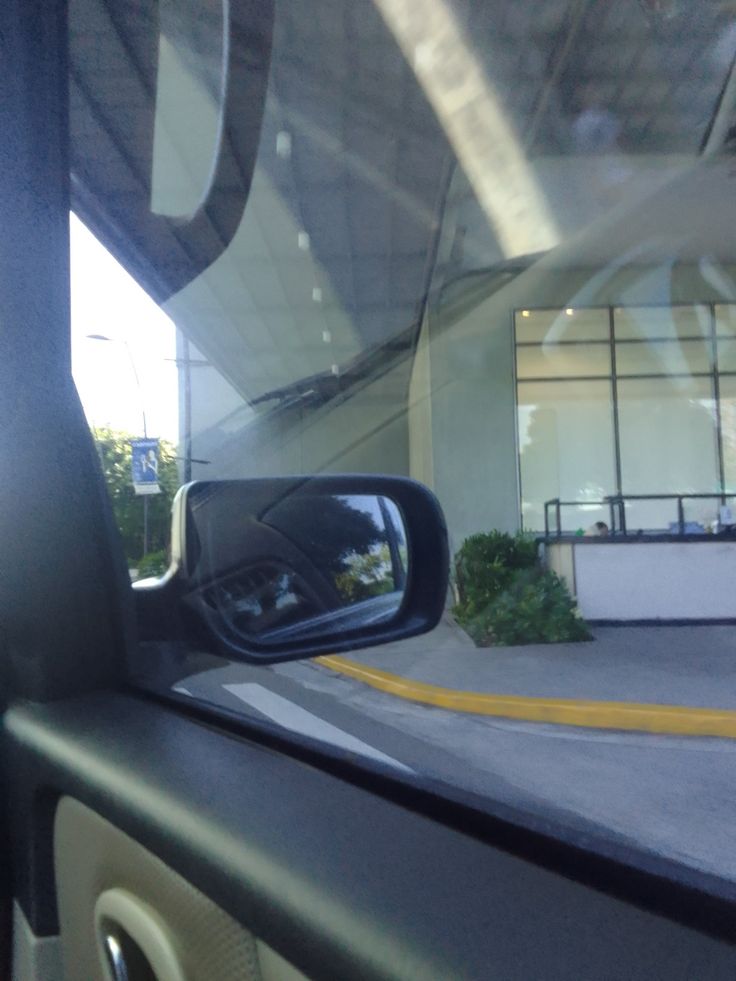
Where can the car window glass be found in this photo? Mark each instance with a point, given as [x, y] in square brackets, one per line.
[489, 246]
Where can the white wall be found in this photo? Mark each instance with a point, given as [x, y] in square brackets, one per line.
[655, 580]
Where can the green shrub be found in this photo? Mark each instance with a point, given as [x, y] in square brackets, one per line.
[153, 564]
[506, 599]
[536, 609]
[485, 566]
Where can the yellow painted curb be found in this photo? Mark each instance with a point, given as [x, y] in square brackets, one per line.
[679, 720]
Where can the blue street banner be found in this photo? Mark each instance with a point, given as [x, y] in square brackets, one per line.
[144, 457]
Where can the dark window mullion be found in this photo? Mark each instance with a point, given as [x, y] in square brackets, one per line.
[614, 403]
[717, 398]
[600, 343]
[665, 374]
[662, 340]
[562, 378]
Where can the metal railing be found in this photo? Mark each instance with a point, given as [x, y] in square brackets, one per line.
[616, 504]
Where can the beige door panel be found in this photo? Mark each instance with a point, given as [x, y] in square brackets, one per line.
[117, 900]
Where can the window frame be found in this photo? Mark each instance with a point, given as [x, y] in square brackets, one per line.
[714, 375]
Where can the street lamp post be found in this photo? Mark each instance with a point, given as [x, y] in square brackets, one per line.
[188, 363]
[187, 413]
[115, 340]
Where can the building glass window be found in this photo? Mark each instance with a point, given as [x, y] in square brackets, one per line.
[726, 354]
[725, 319]
[727, 403]
[578, 360]
[569, 324]
[668, 442]
[643, 402]
[663, 357]
[566, 449]
[662, 323]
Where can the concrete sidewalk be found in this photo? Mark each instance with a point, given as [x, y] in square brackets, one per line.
[690, 666]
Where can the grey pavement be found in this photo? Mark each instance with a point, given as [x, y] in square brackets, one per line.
[669, 795]
[673, 665]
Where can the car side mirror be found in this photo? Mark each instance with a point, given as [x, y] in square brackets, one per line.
[276, 569]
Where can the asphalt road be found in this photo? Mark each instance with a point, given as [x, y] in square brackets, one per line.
[669, 795]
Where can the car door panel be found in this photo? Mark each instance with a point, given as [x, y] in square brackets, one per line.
[95, 861]
[338, 880]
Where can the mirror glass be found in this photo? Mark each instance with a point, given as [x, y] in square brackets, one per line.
[304, 566]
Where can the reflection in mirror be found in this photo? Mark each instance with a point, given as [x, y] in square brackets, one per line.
[307, 565]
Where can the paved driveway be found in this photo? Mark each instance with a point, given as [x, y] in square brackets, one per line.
[671, 796]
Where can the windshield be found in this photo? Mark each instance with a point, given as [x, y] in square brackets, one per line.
[490, 246]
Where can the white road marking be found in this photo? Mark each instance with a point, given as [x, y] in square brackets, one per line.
[292, 716]
[181, 690]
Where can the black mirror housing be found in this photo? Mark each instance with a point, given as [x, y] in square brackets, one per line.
[278, 569]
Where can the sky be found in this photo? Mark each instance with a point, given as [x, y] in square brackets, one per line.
[107, 301]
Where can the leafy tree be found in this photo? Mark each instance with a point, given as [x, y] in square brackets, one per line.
[329, 529]
[115, 455]
[367, 576]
